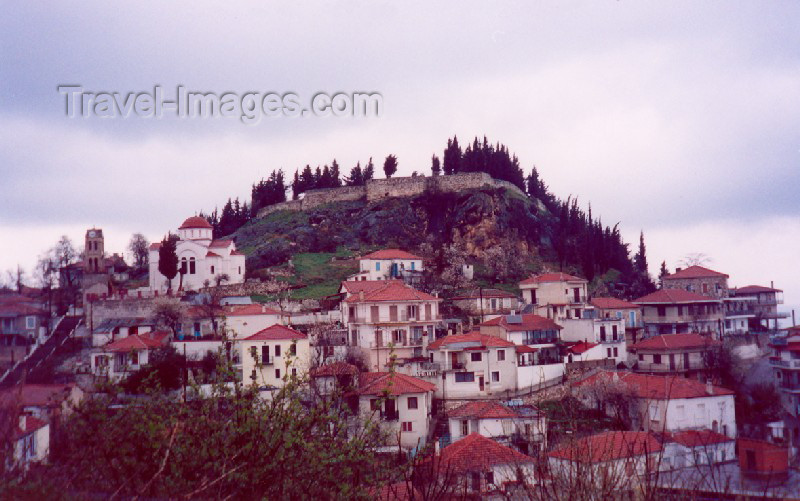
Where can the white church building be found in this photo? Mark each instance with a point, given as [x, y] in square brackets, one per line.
[200, 258]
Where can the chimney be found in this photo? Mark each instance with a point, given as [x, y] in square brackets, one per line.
[361, 295]
[709, 387]
[436, 448]
[771, 284]
[677, 270]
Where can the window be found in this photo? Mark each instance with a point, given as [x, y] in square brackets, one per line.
[465, 377]
[476, 481]
[602, 333]
[465, 427]
[183, 269]
[294, 372]
[656, 359]
[614, 332]
[641, 357]
[412, 403]
[212, 269]
[705, 288]
[277, 350]
[475, 357]
[616, 352]
[264, 354]
[240, 270]
[277, 373]
[490, 478]
[378, 266]
[495, 376]
[293, 350]
[407, 426]
[608, 352]
[412, 264]
[374, 313]
[192, 267]
[501, 355]
[662, 311]
[30, 322]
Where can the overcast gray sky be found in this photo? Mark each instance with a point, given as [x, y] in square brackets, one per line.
[678, 118]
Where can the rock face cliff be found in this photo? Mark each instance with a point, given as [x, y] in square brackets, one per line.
[474, 220]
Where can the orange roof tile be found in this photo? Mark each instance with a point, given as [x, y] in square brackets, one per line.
[474, 339]
[673, 296]
[392, 383]
[580, 347]
[694, 272]
[674, 342]
[392, 291]
[355, 286]
[478, 453]
[755, 289]
[483, 410]
[608, 303]
[221, 243]
[658, 387]
[147, 341]
[390, 254]
[195, 222]
[695, 438]
[276, 332]
[335, 369]
[551, 277]
[608, 446]
[530, 322]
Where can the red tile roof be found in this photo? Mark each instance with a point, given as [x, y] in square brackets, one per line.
[390, 254]
[483, 410]
[147, 341]
[212, 254]
[155, 246]
[551, 277]
[235, 310]
[695, 438]
[391, 383]
[530, 322]
[525, 349]
[755, 289]
[580, 347]
[674, 342]
[335, 369]
[473, 338]
[276, 332]
[695, 272]
[608, 446]
[657, 387]
[612, 303]
[195, 222]
[478, 453]
[30, 425]
[221, 243]
[392, 291]
[355, 286]
[486, 293]
[672, 296]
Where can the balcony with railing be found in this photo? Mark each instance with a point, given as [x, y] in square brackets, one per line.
[401, 317]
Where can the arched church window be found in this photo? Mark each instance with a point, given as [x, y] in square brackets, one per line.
[183, 266]
[191, 266]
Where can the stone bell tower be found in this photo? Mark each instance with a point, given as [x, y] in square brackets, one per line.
[94, 251]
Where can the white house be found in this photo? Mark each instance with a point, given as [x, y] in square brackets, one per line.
[473, 365]
[484, 302]
[400, 403]
[522, 426]
[556, 295]
[200, 258]
[129, 354]
[691, 448]
[245, 320]
[273, 354]
[666, 403]
[31, 440]
[391, 320]
[607, 332]
[611, 461]
[481, 466]
[388, 264]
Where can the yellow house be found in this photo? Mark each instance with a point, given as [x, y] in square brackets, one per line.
[274, 353]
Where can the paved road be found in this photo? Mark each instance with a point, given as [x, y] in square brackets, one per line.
[44, 351]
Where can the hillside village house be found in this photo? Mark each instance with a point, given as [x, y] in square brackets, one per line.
[556, 295]
[389, 264]
[699, 280]
[523, 427]
[610, 307]
[665, 403]
[31, 441]
[334, 377]
[677, 311]
[22, 320]
[480, 303]
[482, 467]
[119, 358]
[785, 363]
[607, 332]
[47, 402]
[763, 303]
[391, 320]
[272, 354]
[402, 404]
[245, 320]
[473, 365]
[691, 448]
[610, 461]
[682, 354]
[200, 258]
[538, 333]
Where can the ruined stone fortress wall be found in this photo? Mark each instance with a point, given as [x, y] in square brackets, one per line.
[377, 189]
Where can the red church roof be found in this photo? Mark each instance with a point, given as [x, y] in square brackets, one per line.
[195, 222]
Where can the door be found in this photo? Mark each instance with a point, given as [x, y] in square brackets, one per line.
[672, 361]
[480, 383]
[686, 361]
[391, 411]
[453, 360]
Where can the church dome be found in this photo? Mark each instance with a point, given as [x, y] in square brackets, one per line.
[195, 222]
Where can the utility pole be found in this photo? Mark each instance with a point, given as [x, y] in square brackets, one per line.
[480, 295]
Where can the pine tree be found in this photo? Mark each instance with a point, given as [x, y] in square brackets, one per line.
[452, 157]
[390, 166]
[436, 166]
[663, 272]
[369, 171]
[356, 177]
[335, 175]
